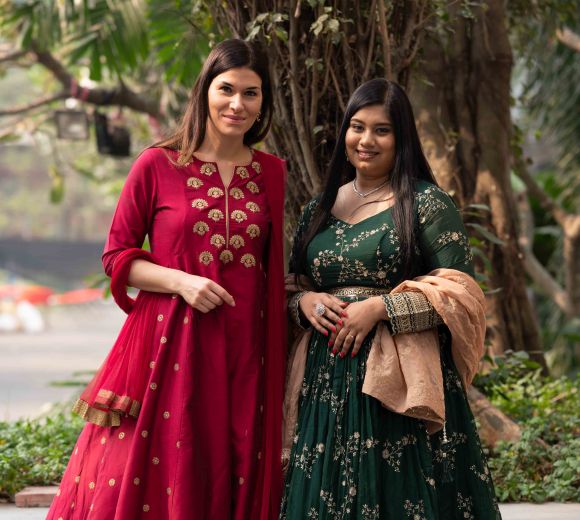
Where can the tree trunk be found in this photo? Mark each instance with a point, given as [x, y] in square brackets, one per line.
[463, 111]
[494, 425]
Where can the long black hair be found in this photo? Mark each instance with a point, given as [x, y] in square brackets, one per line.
[229, 54]
[410, 165]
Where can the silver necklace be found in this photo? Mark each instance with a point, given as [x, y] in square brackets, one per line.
[365, 195]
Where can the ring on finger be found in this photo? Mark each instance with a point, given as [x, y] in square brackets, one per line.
[320, 309]
[350, 336]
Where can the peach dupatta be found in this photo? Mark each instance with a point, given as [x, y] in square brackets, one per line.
[404, 371]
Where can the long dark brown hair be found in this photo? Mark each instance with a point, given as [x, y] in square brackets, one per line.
[229, 54]
[410, 165]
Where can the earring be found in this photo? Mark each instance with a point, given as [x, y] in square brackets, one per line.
[259, 116]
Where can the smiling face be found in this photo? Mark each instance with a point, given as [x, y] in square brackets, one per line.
[370, 142]
[234, 100]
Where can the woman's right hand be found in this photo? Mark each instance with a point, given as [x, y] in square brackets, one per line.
[202, 293]
[331, 320]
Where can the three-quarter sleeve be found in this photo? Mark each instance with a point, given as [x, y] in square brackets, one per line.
[443, 242]
[134, 214]
[294, 268]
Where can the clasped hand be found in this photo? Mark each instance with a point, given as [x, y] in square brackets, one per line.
[202, 293]
[348, 323]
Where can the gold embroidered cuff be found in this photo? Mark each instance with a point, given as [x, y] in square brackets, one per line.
[294, 309]
[410, 312]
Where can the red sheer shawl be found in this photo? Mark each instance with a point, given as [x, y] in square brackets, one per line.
[118, 387]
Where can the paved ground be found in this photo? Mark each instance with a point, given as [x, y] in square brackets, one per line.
[77, 338]
[509, 512]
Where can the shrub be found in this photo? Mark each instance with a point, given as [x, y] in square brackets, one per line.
[35, 452]
[544, 464]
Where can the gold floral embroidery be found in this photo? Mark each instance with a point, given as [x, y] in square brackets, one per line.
[226, 256]
[216, 193]
[199, 203]
[206, 257]
[201, 228]
[242, 171]
[248, 260]
[237, 241]
[253, 207]
[217, 240]
[207, 168]
[253, 230]
[215, 214]
[239, 216]
[237, 193]
[253, 187]
[194, 182]
[257, 166]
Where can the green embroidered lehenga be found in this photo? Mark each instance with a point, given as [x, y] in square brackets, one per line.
[352, 458]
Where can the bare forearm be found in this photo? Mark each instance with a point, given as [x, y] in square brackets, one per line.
[155, 278]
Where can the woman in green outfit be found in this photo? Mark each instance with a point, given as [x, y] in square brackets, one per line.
[380, 220]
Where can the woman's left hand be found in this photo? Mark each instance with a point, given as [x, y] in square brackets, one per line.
[362, 317]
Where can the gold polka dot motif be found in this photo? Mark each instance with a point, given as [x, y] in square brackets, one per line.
[155, 460]
[77, 479]
[144, 434]
[112, 482]
[121, 435]
[166, 415]
[136, 481]
[146, 508]
[153, 386]
[91, 485]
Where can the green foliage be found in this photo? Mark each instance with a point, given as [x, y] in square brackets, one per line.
[35, 452]
[104, 33]
[544, 464]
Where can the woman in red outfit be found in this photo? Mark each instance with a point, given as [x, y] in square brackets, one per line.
[184, 415]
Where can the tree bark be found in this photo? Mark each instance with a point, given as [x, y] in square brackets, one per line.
[463, 112]
[494, 425]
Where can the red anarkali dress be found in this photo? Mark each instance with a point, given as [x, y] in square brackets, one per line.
[202, 441]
